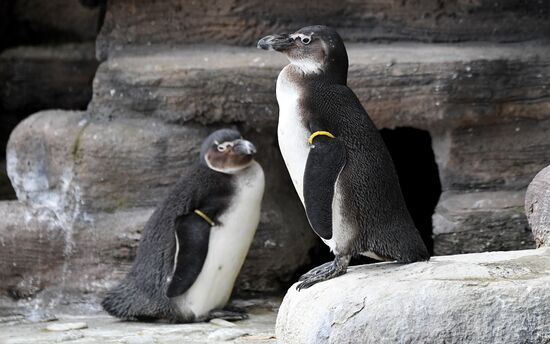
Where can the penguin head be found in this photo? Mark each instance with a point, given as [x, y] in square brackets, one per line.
[313, 49]
[226, 151]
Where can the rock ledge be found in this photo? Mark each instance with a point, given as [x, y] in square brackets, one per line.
[498, 297]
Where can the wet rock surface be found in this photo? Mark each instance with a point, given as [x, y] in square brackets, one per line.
[100, 328]
[496, 297]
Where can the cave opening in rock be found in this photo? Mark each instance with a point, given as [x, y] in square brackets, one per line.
[414, 160]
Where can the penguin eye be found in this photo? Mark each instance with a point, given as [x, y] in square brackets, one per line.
[305, 40]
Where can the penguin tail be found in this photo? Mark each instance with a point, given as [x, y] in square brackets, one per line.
[128, 302]
[414, 251]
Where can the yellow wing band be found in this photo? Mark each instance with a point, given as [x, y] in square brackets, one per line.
[204, 217]
[319, 133]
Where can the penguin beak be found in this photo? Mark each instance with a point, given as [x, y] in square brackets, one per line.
[275, 42]
[243, 147]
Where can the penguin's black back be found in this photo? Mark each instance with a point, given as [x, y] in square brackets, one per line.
[371, 194]
[142, 294]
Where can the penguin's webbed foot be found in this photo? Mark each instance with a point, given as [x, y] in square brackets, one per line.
[315, 271]
[228, 313]
[324, 272]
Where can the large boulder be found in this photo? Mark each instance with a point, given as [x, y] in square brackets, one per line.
[537, 207]
[497, 297]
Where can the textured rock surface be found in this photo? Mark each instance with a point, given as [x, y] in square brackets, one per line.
[34, 78]
[480, 221]
[537, 207]
[498, 297]
[140, 22]
[436, 87]
[47, 258]
[502, 156]
[104, 329]
[81, 167]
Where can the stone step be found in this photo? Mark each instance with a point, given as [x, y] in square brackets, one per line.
[79, 165]
[141, 22]
[481, 221]
[475, 99]
[497, 297]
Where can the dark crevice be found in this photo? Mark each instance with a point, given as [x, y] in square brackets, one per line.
[414, 160]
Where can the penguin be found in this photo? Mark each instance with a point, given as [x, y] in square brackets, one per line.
[195, 242]
[338, 163]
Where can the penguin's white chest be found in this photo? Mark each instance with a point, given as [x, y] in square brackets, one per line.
[227, 247]
[291, 132]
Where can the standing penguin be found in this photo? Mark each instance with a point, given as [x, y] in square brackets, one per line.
[339, 165]
[195, 243]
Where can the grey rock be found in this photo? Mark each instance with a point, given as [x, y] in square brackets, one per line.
[140, 22]
[497, 297]
[480, 221]
[38, 77]
[48, 261]
[226, 334]
[537, 207]
[103, 328]
[435, 87]
[497, 156]
[66, 326]
[222, 322]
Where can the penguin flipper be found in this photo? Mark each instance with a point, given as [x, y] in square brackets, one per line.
[192, 236]
[325, 161]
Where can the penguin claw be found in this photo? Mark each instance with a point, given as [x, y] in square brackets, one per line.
[324, 272]
[315, 271]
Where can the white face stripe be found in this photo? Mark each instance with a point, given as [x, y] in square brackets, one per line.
[307, 66]
[301, 35]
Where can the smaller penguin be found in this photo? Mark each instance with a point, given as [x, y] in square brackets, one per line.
[195, 243]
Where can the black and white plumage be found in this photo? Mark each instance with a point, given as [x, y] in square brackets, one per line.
[185, 267]
[348, 184]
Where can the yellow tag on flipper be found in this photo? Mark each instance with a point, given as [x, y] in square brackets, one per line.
[319, 133]
[204, 217]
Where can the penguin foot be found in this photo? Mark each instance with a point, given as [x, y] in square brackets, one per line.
[315, 271]
[324, 272]
[231, 314]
